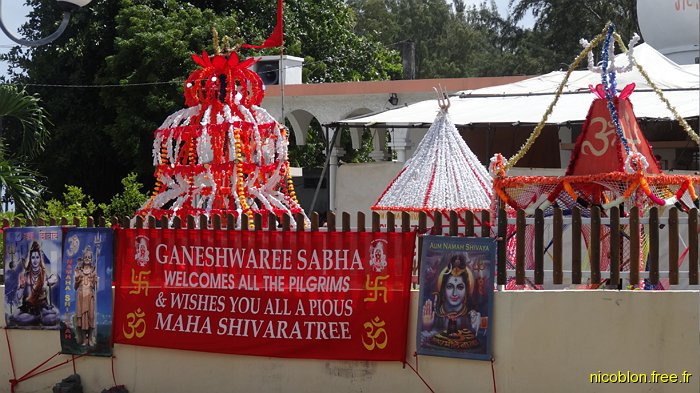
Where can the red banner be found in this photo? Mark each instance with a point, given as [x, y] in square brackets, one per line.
[337, 295]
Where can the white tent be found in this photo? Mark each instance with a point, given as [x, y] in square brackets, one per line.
[443, 174]
[527, 101]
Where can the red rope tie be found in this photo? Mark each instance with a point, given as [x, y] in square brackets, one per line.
[493, 374]
[415, 370]
[30, 374]
[114, 379]
[13, 381]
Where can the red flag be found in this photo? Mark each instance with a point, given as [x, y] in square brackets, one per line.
[276, 38]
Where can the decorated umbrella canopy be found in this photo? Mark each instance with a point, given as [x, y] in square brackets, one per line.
[223, 153]
[612, 164]
[443, 174]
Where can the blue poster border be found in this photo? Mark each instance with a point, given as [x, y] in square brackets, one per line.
[98, 243]
[32, 299]
[455, 306]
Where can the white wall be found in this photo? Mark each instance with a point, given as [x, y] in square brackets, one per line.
[545, 341]
[359, 186]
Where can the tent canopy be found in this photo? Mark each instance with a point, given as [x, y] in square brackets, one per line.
[527, 101]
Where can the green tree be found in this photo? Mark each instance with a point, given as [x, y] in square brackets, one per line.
[138, 53]
[24, 123]
[79, 151]
[75, 203]
[560, 24]
[451, 40]
[128, 201]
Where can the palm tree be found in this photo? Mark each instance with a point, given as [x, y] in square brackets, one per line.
[19, 182]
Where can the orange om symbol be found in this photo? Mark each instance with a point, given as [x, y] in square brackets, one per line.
[374, 330]
[136, 323]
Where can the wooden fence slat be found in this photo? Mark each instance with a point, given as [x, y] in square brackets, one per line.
[177, 222]
[673, 246]
[693, 246]
[190, 221]
[361, 222]
[230, 221]
[257, 221]
[151, 222]
[216, 222]
[245, 222]
[520, 247]
[502, 239]
[76, 221]
[485, 223]
[454, 223]
[437, 223]
[469, 223]
[405, 222]
[390, 222]
[330, 221]
[271, 222]
[594, 256]
[654, 245]
[139, 222]
[557, 246]
[376, 224]
[539, 247]
[286, 222]
[634, 246]
[614, 247]
[300, 222]
[314, 221]
[345, 222]
[576, 245]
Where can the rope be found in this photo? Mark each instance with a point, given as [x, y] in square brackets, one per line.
[538, 129]
[686, 127]
[415, 370]
[114, 379]
[13, 381]
[493, 374]
[33, 372]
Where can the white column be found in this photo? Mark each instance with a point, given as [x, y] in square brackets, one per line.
[378, 142]
[400, 142]
[332, 176]
[564, 154]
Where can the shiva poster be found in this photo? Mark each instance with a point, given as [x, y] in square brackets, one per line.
[32, 274]
[456, 297]
[86, 292]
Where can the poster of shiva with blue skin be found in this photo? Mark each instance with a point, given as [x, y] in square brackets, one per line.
[32, 276]
[456, 297]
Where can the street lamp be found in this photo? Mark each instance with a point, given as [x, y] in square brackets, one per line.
[67, 6]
